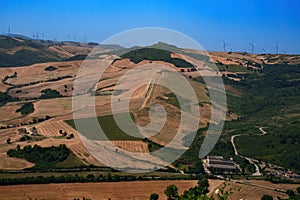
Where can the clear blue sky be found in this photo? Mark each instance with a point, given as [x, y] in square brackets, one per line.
[238, 22]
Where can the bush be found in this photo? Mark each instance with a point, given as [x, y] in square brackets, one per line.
[171, 192]
[50, 68]
[154, 196]
[49, 94]
[267, 197]
[26, 108]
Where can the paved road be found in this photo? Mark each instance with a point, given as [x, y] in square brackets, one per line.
[257, 170]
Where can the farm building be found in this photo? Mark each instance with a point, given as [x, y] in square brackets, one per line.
[219, 162]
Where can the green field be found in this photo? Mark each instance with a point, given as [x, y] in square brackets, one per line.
[109, 127]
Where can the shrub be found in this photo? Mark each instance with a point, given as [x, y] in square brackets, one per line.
[26, 108]
[49, 94]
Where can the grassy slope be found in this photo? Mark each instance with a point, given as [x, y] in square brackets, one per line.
[110, 128]
[270, 100]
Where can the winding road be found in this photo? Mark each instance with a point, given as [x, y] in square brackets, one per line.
[257, 170]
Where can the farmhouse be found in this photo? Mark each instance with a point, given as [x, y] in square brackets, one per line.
[218, 162]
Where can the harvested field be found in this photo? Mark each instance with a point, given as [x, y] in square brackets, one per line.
[130, 190]
[7, 163]
[119, 190]
[51, 129]
[9, 112]
[37, 72]
[132, 146]
[249, 192]
[64, 87]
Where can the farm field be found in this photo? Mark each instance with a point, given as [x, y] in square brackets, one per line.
[114, 190]
[135, 190]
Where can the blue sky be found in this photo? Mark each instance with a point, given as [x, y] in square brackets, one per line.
[238, 22]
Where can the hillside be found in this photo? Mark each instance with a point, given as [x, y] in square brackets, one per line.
[22, 51]
[262, 91]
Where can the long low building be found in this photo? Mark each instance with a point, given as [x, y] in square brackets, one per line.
[219, 162]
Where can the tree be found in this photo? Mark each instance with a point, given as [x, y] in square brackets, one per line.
[154, 196]
[203, 185]
[171, 192]
[8, 141]
[298, 190]
[291, 193]
[267, 197]
[109, 177]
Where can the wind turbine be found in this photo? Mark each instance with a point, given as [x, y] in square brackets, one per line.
[252, 47]
[9, 31]
[277, 48]
[263, 50]
[224, 45]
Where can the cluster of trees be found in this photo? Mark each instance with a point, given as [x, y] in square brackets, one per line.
[4, 98]
[34, 121]
[293, 195]
[139, 55]
[189, 70]
[7, 77]
[65, 134]
[40, 81]
[26, 108]
[25, 138]
[49, 94]
[78, 178]
[43, 157]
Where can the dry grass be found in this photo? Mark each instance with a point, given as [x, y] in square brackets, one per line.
[248, 192]
[131, 190]
[35, 91]
[6, 162]
[132, 146]
[8, 112]
[120, 190]
[51, 129]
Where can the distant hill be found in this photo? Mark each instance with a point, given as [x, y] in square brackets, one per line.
[19, 50]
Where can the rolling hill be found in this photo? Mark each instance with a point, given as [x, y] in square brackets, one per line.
[262, 91]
